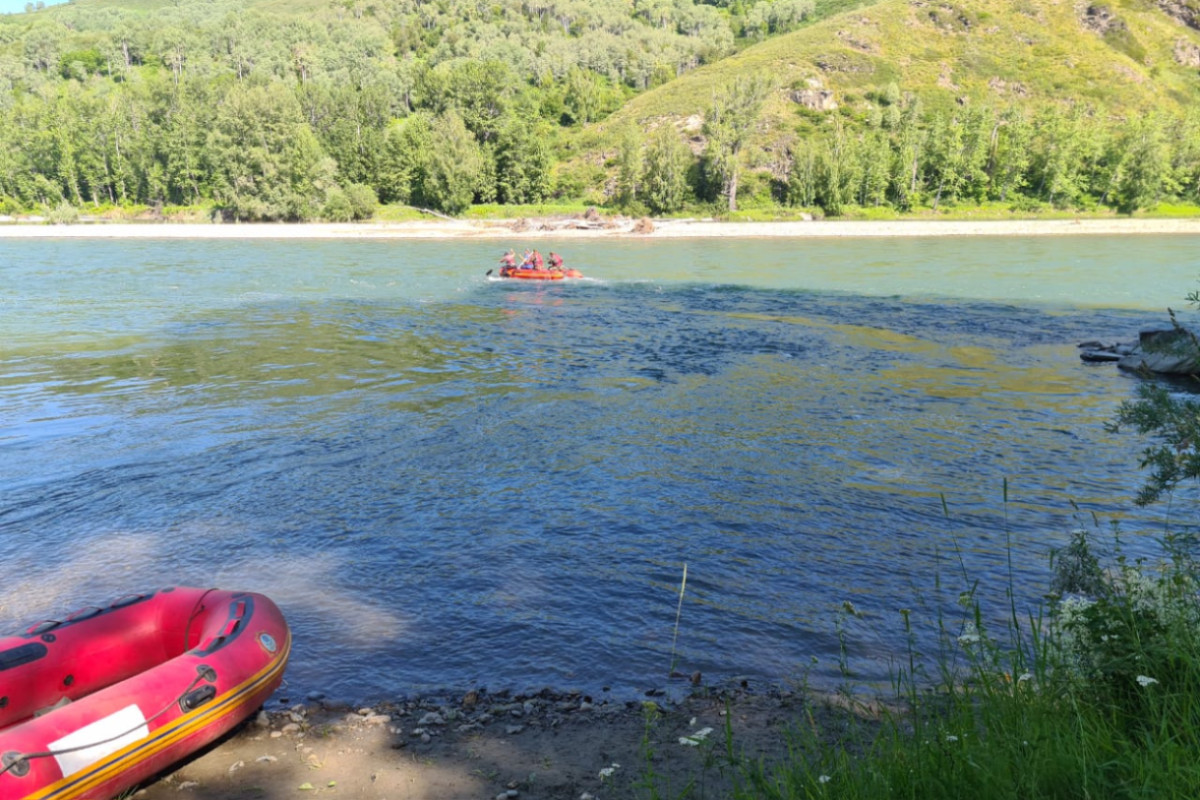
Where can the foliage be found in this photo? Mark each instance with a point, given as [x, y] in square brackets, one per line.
[734, 110]
[1100, 699]
[454, 165]
[262, 110]
[664, 186]
[1173, 422]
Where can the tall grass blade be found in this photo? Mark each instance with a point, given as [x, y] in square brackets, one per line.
[678, 613]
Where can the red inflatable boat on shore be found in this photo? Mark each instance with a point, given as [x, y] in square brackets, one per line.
[111, 695]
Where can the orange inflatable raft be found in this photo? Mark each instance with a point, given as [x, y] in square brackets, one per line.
[529, 274]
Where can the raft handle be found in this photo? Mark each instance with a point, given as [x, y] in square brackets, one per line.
[127, 600]
[197, 697]
[43, 626]
[15, 764]
[84, 613]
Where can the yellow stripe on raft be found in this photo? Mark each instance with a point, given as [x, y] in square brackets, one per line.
[189, 723]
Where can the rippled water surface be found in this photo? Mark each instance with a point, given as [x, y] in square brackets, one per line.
[446, 480]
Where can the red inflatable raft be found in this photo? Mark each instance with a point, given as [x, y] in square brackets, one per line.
[112, 695]
[528, 274]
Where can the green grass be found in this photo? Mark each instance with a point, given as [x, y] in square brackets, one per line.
[949, 52]
[497, 211]
[1096, 698]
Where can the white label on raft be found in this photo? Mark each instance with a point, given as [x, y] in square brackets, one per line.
[96, 740]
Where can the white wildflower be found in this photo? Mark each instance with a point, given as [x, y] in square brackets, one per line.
[694, 739]
[970, 634]
[951, 738]
[1145, 680]
[823, 779]
[1024, 676]
[607, 772]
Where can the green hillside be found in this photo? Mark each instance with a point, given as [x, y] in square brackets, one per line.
[1130, 57]
[299, 109]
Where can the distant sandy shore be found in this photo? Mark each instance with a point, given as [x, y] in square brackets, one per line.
[620, 228]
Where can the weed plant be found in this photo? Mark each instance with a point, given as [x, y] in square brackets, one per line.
[1095, 696]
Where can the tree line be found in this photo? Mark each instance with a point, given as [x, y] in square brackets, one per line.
[292, 118]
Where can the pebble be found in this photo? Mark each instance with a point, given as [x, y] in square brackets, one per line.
[266, 759]
[377, 719]
[188, 785]
[263, 720]
[513, 729]
[511, 794]
[291, 727]
[236, 766]
[432, 718]
[276, 734]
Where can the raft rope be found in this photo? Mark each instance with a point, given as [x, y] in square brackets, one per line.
[17, 758]
[203, 673]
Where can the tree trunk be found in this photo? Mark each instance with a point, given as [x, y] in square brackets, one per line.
[732, 190]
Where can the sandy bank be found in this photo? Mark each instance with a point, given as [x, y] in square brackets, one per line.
[620, 228]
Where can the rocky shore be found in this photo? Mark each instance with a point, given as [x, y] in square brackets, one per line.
[1162, 349]
[547, 745]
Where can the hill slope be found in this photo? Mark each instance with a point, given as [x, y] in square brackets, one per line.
[1128, 58]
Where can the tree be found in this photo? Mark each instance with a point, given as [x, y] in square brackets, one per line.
[664, 187]
[1144, 164]
[523, 161]
[802, 174]
[480, 92]
[630, 159]
[454, 165]
[1008, 155]
[266, 161]
[735, 108]
[404, 163]
[943, 167]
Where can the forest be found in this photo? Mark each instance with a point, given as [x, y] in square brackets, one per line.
[323, 110]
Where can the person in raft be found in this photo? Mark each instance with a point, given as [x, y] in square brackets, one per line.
[508, 261]
[556, 261]
[527, 260]
[538, 263]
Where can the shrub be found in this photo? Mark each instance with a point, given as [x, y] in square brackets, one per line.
[363, 201]
[337, 206]
[63, 214]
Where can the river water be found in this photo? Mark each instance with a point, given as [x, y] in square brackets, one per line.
[449, 481]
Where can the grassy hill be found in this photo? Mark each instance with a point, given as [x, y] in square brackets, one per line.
[1129, 57]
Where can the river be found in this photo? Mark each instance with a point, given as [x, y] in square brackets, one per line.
[448, 481]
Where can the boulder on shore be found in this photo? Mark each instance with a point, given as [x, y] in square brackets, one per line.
[1165, 349]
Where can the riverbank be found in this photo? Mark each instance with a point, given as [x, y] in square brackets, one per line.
[543, 746]
[577, 227]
